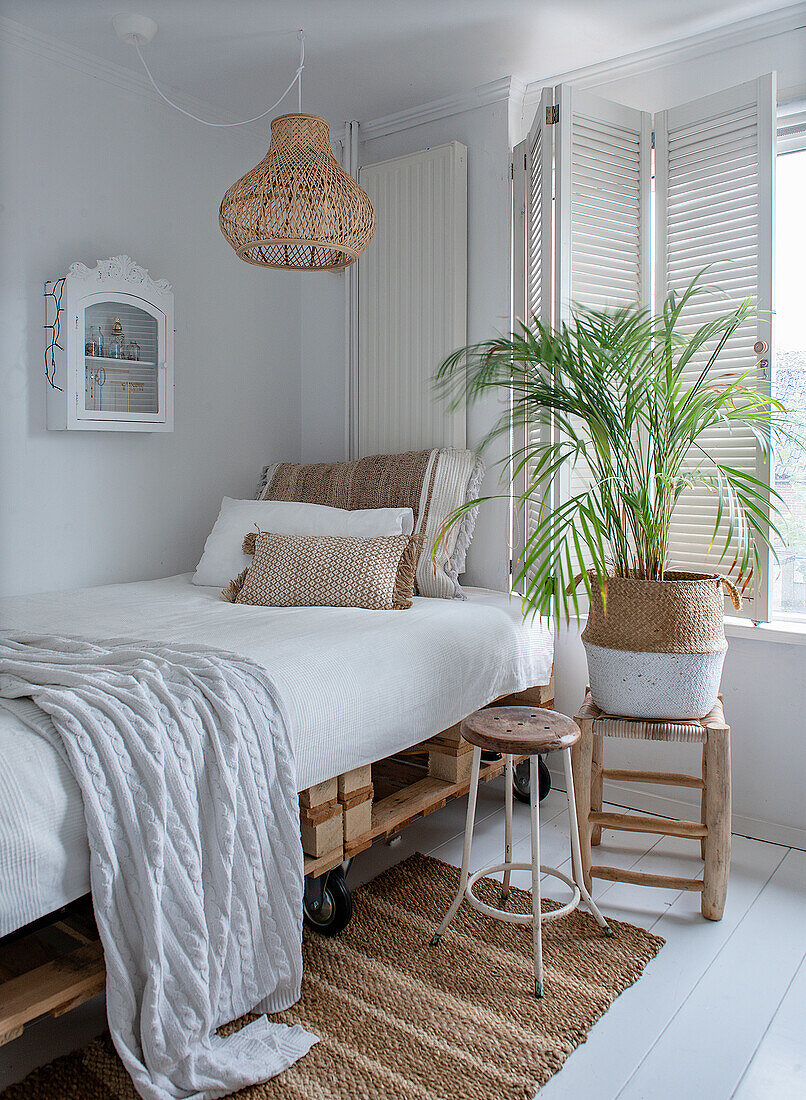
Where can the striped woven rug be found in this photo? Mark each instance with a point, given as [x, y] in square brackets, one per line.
[400, 1019]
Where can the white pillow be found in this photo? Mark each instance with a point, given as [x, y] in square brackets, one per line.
[224, 559]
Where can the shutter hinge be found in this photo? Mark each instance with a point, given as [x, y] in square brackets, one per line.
[512, 171]
[653, 139]
[552, 114]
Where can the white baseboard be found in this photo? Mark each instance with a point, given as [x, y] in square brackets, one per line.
[639, 798]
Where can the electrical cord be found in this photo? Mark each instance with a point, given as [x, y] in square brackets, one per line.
[297, 79]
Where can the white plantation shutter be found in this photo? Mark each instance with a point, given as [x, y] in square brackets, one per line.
[602, 223]
[714, 163]
[533, 292]
[603, 195]
[538, 153]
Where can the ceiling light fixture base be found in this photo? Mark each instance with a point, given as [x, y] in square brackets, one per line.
[136, 30]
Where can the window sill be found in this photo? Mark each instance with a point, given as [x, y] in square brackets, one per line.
[791, 633]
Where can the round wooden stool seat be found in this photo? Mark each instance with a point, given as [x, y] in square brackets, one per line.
[520, 731]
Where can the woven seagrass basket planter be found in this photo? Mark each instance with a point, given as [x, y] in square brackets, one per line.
[656, 648]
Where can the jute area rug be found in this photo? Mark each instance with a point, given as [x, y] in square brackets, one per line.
[400, 1019]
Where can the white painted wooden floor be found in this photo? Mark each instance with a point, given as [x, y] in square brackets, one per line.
[720, 1013]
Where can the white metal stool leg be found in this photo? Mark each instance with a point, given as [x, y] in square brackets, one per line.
[508, 827]
[472, 797]
[536, 919]
[537, 912]
[576, 855]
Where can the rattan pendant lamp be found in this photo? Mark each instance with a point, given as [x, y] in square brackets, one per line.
[298, 209]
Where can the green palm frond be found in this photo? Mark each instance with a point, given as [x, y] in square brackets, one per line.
[634, 397]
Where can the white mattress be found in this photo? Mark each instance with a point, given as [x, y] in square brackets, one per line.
[355, 686]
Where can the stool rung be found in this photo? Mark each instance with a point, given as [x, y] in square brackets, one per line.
[640, 878]
[634, 823]
[667, 779]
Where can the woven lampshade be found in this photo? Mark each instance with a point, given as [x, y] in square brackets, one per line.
[298, 208]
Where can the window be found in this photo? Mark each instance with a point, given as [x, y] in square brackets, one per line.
[713, 161]
[788, 574]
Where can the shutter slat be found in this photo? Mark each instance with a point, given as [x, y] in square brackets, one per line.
[714, 162]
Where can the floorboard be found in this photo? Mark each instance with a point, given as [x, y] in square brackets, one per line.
[726, 1013]
[778, 1067]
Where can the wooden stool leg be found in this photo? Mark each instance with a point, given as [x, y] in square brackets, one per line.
[537, 912]
[596, 784]
[576, 868]
[582, 759]
[702, 802]
[508, 827]
[717, 818]
[470, 822]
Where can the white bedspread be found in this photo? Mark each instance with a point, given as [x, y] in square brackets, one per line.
[355, 686]
[188, 781]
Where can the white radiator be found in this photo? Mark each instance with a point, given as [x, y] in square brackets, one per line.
[412, 301]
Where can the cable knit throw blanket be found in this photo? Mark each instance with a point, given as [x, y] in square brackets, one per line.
[188, 779]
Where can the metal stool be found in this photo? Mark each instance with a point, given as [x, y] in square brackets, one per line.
[521, 731]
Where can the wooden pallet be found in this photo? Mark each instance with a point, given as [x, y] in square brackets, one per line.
[49, 967]
[57, 963]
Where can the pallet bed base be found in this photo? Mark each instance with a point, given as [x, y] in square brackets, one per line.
[57, 963]
[378, 801]
[49, 967]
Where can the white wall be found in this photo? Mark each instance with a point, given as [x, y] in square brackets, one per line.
[89, 170]
[484, 132]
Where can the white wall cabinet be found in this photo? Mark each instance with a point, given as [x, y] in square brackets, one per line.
[109, 362]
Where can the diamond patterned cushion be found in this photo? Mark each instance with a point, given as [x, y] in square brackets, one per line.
[327, 571]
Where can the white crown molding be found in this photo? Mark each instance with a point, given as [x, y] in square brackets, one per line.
[522, 96]
[54, 51]
[757, 27]
[494, 92]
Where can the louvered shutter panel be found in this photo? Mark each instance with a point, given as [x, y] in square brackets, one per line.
[533, 297]
[714, 162]
[603, 182]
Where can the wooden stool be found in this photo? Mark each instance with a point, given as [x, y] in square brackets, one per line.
[521, 731]
[713, 828]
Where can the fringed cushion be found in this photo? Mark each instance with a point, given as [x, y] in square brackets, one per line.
[432, 483]
[326, 571]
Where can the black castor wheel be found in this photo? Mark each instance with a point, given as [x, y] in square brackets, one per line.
[327, 904]
[520, 780]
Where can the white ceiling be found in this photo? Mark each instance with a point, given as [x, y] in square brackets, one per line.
[367, 58]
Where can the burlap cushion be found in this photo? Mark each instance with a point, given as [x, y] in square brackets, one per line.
[432, 483]
[327, 571]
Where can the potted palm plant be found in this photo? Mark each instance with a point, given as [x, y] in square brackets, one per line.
[630, 398]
